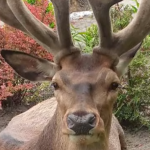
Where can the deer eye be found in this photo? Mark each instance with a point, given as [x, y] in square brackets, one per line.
[55, 85]
[114, 85]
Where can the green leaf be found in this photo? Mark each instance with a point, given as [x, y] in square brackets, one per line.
[52, 25]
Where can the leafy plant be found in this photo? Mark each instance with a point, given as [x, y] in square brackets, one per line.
[32, 2]
[86, 40]
[50, 8]
[135, 8]
[133, 101]
[40, 93]
[121, 16]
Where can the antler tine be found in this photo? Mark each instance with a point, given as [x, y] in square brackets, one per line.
[136, 31]
[34, 27]
[9, 19]
[61, 8]
[101, 12]
[12, 20]
[115, 44]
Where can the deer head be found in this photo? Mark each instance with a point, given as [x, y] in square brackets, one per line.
[85, 85]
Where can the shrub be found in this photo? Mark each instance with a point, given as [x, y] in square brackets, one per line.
[85, 40]
[12, 87]
[121, 16]
[133, 101]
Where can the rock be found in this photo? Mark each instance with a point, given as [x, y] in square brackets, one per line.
[79, 5]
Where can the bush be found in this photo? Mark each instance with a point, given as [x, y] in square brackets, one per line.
[133, 101]
[121, 16]
[12, 87]
[85, 40]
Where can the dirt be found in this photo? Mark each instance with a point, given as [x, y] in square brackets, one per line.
[139, 140]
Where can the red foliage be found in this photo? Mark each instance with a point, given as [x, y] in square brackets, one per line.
[11, 38]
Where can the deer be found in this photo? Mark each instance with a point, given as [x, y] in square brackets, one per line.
[80, 115]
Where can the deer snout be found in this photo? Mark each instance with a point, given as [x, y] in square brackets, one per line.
[80, 123]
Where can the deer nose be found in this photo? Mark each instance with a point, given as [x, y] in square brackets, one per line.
[81, 124]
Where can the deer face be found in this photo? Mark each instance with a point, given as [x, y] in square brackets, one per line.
[86, 89]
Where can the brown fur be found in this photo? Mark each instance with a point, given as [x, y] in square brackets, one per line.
[84, 82]
[34, 121]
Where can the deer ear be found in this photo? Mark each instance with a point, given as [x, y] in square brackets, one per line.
[30, 67]
[126, 58]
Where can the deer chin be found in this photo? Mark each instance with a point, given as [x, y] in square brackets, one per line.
[84, 139]
[95, 135]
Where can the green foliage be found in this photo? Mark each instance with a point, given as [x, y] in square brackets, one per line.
[86, 40]
[135, 8]
[121, 17]
[91, 38]
[146, 43]
[32, 2]
[133, 101]
[50, 8]
[40, 93]
[52, 25]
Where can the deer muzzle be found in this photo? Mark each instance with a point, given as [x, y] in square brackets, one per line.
[81, 123]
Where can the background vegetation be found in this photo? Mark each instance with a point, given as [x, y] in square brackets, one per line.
[14, 89]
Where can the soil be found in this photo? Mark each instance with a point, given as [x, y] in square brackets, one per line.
[7, 114]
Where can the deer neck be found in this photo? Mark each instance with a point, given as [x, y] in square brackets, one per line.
[52, 138]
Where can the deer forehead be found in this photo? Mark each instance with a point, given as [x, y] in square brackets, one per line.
[86, 62]
[84, 71]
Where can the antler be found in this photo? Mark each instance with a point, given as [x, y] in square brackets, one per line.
[61, 8]
[17, 15]
[136, 31]
[101, 12]
[9, 19]
[118, 43]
